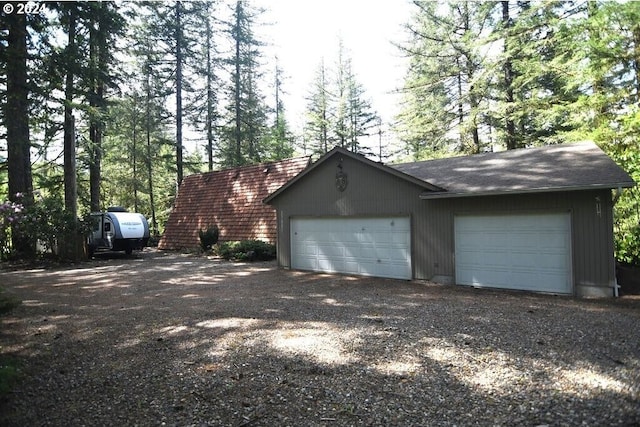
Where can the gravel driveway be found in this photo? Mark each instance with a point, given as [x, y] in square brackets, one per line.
[172, 339]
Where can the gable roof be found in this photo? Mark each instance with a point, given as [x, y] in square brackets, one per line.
[230, 199]
[346, 153]
[564, 167]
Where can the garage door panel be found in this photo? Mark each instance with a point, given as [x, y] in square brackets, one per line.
[365, 246]
[529, 252]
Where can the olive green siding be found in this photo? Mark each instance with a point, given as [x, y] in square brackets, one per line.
[372, 192]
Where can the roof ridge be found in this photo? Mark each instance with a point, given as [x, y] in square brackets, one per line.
[255, 165]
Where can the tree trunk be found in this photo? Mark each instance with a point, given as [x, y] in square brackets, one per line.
[636, 59]
[238, 113]
[210, 101]
[70, 181]
[510, 127]
[16, 118]
[460, 105]
[152, 206]
[94, 120]
[134, 151]
[179, 60]
[470, 70]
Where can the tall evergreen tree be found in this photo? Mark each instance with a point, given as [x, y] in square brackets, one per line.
[338, 112]
[174, 27]
[246, 111]
[16, 121]
[279, 144]
[445, 65]
[318, 112]
[206, 63]
[361, 117]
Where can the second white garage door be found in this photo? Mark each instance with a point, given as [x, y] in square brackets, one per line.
[378, 247]
[527, 252]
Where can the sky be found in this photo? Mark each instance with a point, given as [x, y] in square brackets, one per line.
[303, 32]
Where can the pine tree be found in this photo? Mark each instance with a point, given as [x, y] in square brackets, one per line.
[443, 94]
[174, 27]
[279, 144]
[205, 63]
[318, 113]
[246, 111]
[361, 118]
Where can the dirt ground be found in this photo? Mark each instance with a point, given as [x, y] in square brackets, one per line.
[175, 339]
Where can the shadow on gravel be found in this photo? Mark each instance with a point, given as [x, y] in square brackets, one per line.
[182, 340]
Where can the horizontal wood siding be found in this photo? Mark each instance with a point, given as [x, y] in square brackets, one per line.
[371, 192]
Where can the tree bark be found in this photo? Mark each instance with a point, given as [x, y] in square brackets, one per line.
[510, 127]
[210, 100]
[95, 141]
[148, 130]
[238, 113]
[16, 118]
[70, 181]
[179, 59]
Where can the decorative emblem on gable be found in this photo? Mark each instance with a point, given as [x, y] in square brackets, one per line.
[341, 181]
[341, 178]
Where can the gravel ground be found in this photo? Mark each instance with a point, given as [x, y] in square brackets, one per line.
[172, 339]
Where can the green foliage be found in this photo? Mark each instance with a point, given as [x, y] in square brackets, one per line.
[46, 222]
[209, 237]
[246, 111]
[9, 373]
[628, 245]
[10, 214]
[573, 75]
[627, 209]
[338, 111]
[247, 250]
[49, 223]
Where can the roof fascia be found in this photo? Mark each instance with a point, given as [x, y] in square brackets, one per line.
[451, 195]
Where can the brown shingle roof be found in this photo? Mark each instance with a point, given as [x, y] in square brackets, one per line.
[551, 168]
[231, 199]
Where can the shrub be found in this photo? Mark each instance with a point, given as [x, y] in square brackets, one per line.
[11, 213]
[247, 250]
[209, 237]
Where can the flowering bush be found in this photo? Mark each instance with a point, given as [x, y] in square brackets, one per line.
[46, 222]
[11, 214]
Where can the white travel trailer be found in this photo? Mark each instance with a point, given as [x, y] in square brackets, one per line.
[118, 230]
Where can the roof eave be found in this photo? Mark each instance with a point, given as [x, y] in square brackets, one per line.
[451, 195]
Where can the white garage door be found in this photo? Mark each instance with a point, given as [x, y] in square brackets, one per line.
[365, 246]
[528, 252]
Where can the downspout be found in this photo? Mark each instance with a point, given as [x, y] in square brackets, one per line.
[616, 287]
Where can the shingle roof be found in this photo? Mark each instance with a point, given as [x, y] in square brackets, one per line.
[550, 168]
[231, 199]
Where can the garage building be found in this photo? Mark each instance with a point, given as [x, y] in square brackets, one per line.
[538, 219]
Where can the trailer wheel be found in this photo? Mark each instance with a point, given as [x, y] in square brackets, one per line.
[128, 250]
